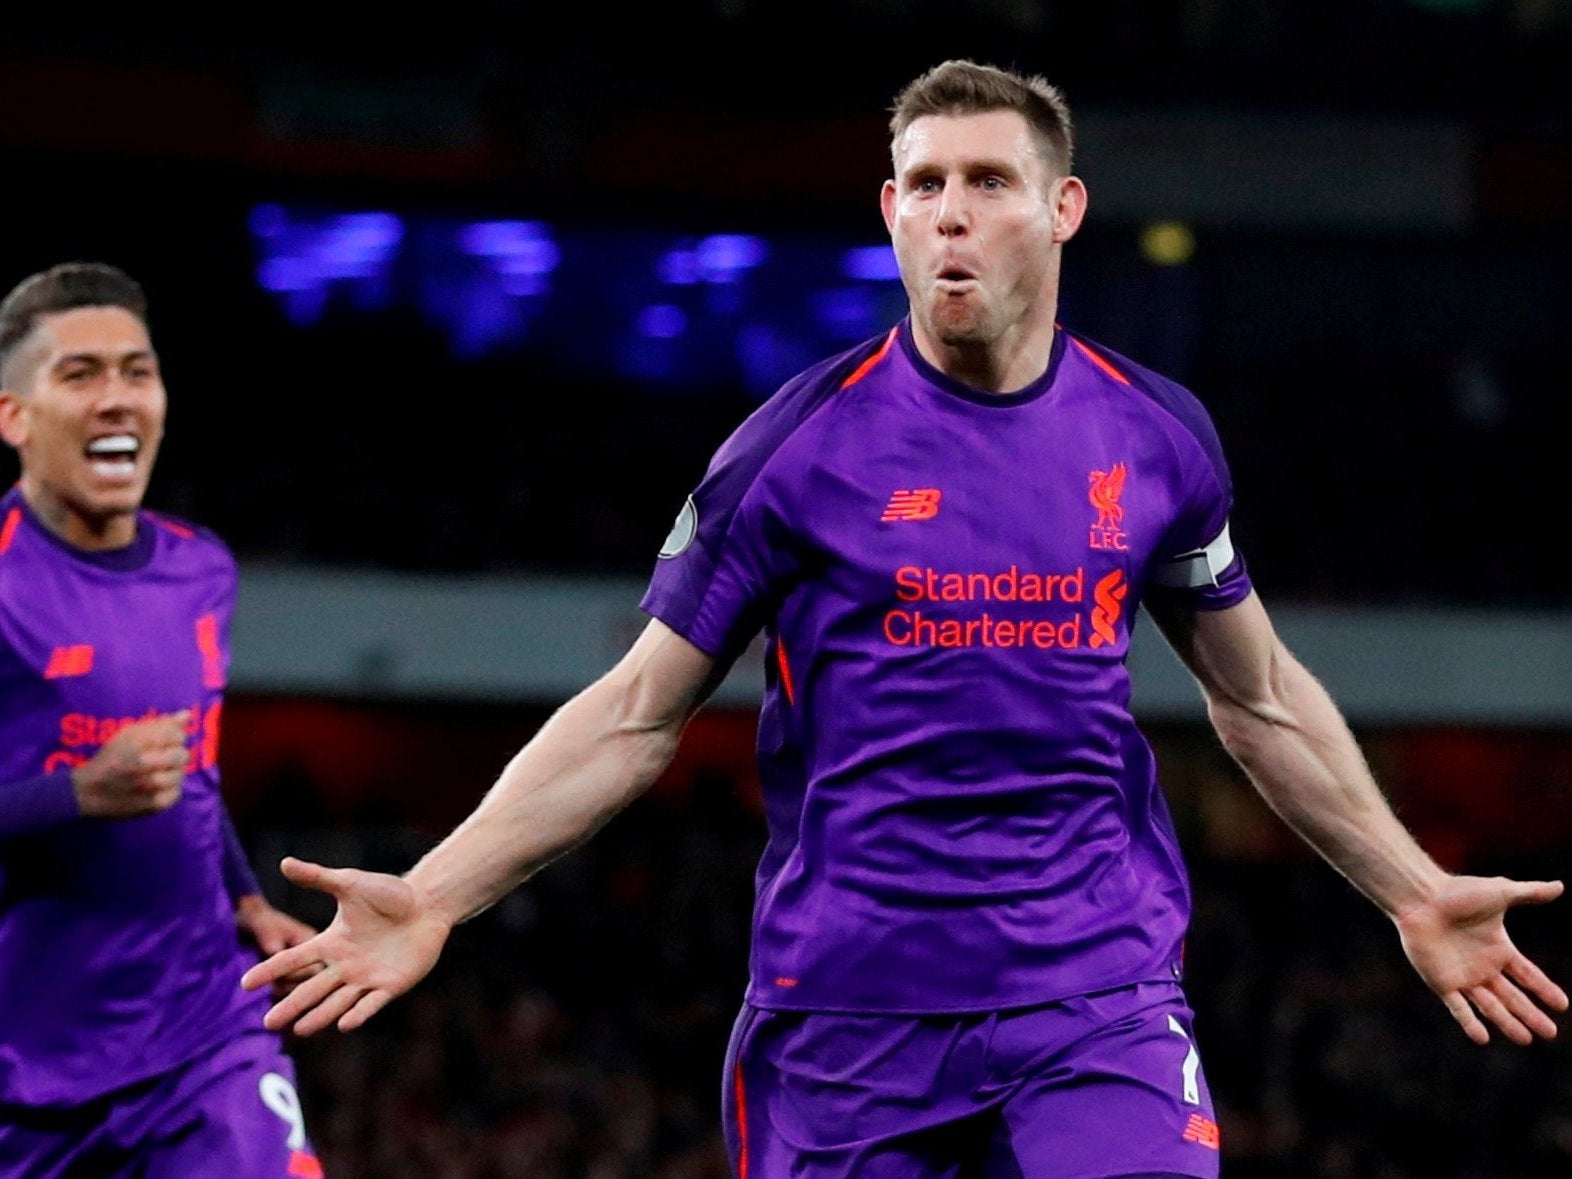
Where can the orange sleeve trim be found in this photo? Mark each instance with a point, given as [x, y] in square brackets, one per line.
[171, 526]
[1101, 363]
[872, 362]
[781, 662]
[8, 529]
[742, 1123]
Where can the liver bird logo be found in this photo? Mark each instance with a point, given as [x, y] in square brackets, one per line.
[1104, 494]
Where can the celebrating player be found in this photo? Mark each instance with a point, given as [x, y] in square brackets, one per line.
[968, 928]
[127, 1046]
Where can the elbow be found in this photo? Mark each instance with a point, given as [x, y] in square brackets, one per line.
[646, 734]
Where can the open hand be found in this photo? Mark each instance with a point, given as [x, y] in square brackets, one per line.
[380, 943]
[1458, 942]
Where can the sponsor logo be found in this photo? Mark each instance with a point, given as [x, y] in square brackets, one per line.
[1203, 1132]
[921, 504]
[930, 599]
[82, 734]
[1107, 486]
[212, 656]
[1108, 594]
[65, 662]
[683, 530]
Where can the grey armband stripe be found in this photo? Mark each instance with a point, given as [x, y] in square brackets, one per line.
[1198, 567]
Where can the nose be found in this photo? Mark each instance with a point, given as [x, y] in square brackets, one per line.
[116, 394]
[952, 217]
[119, 400]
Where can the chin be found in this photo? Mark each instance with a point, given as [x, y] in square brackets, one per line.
[957, 327]
[965, 334]
[107, 507]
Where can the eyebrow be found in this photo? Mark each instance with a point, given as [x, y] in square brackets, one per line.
[103, 357]
[990, 165]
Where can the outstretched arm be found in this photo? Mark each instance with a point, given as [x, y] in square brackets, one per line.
[597, 753]
[1283, 728]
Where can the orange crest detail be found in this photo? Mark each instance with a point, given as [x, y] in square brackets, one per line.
[1106, 488]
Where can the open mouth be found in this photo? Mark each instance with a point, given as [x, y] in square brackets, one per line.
[113, 455]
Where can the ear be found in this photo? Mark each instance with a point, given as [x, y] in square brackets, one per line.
[13, 419]
[1069, 207]
[887, 204]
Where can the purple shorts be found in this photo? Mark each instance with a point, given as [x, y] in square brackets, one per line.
[232, 1114]
[1092, 1087]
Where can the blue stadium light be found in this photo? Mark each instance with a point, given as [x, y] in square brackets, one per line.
[286, 274]
[723, 257]
[524, 245]
[679, 268]
[369, 233]
[537, 257]
[302, 256]
[874, 263]
[662, 322]
[846, 311]
[681, 310]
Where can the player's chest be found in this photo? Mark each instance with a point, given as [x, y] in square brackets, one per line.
[107, 647]
[1050, 501]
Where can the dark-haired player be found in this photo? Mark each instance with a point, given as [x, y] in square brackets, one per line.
[128, 911]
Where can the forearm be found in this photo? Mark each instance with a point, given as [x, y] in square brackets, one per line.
[583, 767]
[1297, 749]
[37, 804]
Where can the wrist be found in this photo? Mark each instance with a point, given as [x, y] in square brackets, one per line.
[1416, 896]
[434, 903]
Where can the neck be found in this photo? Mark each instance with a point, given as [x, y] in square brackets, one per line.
[91, 532]
[1006, 364]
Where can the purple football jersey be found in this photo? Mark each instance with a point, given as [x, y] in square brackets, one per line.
[962, 814]
[119, 953]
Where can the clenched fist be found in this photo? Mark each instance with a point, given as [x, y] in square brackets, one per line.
[138, 771]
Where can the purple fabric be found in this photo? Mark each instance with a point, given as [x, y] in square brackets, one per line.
[239, 879]
[233, 1113]
[1097, 1085]
[962, 814]
[37, 804]
[119, 954]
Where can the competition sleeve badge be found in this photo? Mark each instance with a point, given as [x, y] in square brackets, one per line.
[682, 531]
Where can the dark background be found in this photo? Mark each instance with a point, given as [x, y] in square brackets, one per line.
[1389, 394]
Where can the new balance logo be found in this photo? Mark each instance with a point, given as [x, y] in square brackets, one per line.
[922, 504]
[69, 661]
[1203, 1132]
